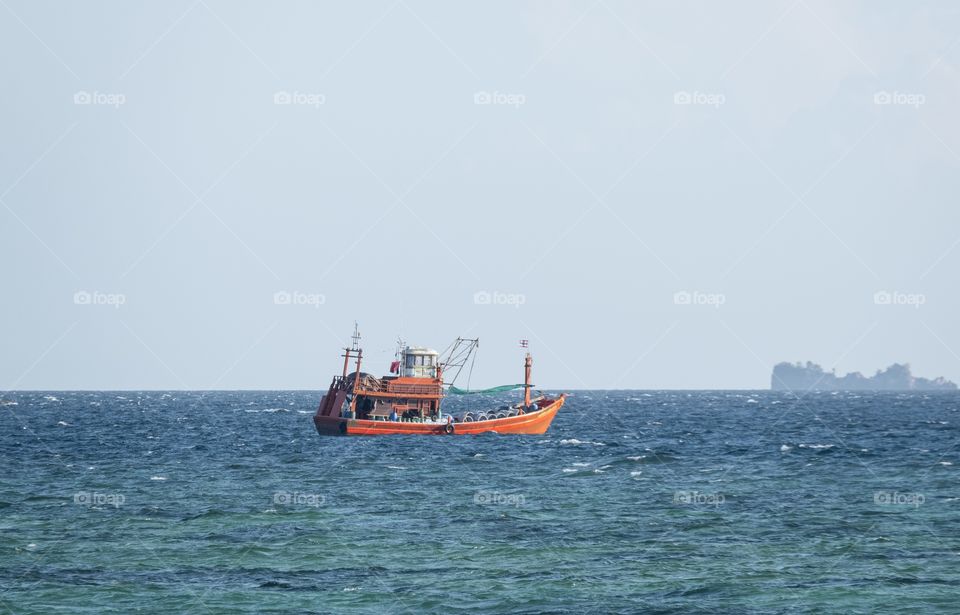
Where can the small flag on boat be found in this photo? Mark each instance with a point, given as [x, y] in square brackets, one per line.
[395, 367]
[524, 343]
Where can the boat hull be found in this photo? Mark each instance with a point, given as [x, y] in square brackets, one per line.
[530, 423]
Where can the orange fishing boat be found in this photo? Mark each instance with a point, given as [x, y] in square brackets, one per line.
[409, 399]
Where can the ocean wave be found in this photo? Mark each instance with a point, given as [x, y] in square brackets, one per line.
[575, 442]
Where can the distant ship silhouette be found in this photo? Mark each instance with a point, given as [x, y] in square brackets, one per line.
[811, 377]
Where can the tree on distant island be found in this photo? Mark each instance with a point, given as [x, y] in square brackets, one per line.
[811, 377]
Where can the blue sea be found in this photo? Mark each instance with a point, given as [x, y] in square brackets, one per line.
[634, 501]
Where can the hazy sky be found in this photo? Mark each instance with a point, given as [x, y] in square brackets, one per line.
[578, 164]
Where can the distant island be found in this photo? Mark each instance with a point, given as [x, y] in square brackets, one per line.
[811, 377]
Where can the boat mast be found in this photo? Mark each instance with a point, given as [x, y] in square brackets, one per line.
[527, 364]
[355, 348]
[356, 377]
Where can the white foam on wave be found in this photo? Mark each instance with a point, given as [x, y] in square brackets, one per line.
[945, 463]
[50, 398]
[158, 478]
[396, 468]
[63, 423]
[636, 473]
[637, 457]
[571, 470]
[784, 448]
[581, 464]
[574, 441]
[752, 401]
[816, 446]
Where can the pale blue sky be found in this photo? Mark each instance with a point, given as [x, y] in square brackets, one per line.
[537, 151]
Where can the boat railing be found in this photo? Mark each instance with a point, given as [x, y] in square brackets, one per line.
[401, 389]
[414, 389]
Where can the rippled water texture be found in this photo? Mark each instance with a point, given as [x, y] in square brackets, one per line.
[633, 501]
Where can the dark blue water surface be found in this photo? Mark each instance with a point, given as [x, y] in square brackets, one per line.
[633, 501]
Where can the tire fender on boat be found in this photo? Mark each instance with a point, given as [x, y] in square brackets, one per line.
[448, 429]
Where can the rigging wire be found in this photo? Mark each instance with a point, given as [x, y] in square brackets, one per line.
[472, 361]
